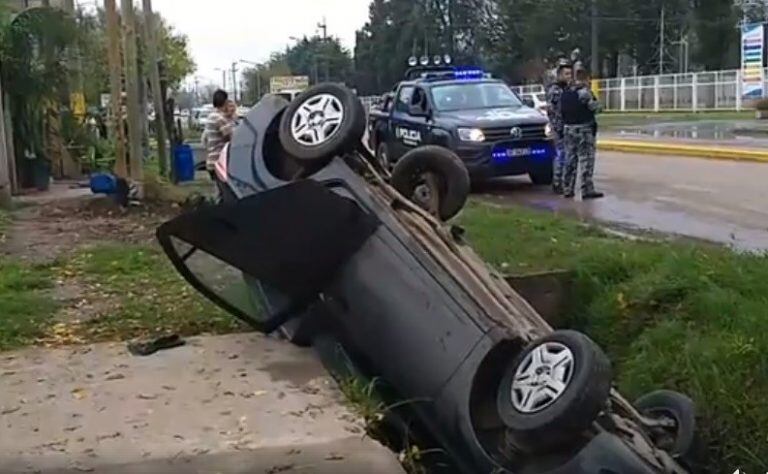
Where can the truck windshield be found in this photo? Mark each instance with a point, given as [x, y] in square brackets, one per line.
[473, 96]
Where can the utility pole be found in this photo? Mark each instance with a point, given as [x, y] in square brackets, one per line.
[223, 78]
[150, 22]
[132, 93]
[595, 42]
[661, 42]
[234, 81]
[115, 86]
[324, 26]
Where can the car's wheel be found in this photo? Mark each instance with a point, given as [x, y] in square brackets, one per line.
[435, 179]
[325, 121]
[680, 440]
[542, 176]
[553, 391]
[382, 155]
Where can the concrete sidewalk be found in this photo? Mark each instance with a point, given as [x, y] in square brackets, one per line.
[233, 404]
[730, 150]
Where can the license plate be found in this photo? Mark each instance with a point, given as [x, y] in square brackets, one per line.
[515, 152]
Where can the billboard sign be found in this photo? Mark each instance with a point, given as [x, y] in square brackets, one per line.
[288, 83]
[752, 63]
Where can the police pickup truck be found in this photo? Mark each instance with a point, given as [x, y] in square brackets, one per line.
[465, 110]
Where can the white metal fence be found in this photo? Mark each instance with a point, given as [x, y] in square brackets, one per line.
[697, 92]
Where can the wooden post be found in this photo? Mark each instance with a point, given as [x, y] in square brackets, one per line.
[150, 23]
[5, 160]
[116, 87]
[136, 165]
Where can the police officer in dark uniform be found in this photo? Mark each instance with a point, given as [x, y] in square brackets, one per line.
[579, 108]
[554, 93]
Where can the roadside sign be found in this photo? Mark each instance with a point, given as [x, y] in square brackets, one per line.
[752, 51]
[106, 100]
[286, 83]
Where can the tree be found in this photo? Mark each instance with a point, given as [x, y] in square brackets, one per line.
[322, 59]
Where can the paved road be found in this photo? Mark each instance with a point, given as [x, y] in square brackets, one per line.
[721, 201]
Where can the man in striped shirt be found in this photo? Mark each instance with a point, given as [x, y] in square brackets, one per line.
[218, 129]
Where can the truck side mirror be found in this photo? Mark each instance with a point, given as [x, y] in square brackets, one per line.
[528, 102]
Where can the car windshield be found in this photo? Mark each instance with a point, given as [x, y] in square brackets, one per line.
[473, 96]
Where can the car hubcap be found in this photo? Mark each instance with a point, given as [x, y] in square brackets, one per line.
[317, 120]
[542, 377]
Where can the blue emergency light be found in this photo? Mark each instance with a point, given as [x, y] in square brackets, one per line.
[468, 73]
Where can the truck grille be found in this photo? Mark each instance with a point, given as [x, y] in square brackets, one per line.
[529, 132]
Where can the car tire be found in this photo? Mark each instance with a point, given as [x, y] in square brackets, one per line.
[305, 130]
[383, 157]
[448, 175]
[683, 442]
[578, 374]
[543, 176]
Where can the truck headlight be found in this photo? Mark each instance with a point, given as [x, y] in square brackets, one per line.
[549, 131]
[471, 135]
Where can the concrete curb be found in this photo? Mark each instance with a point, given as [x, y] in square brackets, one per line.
[697, 151]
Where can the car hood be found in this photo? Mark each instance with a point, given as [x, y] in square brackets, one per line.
[501, 117]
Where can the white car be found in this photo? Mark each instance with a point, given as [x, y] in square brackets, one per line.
[539, 101]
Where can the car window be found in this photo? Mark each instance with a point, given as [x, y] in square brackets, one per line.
[419, 98]
[404, 99]
[474, 96]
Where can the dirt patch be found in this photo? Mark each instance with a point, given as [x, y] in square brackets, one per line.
[45, 232]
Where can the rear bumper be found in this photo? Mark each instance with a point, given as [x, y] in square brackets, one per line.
[490, 160]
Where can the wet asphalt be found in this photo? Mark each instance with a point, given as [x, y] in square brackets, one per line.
[720, 201]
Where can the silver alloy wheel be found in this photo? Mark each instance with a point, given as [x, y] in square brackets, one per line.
[317, 120]
[542, 377]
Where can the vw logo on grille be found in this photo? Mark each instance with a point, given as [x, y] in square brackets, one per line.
[516, 132]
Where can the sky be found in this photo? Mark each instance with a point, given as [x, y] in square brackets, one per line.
[223, 31]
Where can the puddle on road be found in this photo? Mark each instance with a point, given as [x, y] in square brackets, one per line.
[736, 131]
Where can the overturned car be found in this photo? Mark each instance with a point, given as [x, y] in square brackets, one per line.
[322, 238]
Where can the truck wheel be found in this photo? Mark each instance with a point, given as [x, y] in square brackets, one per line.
[434, 178]
[325, 121]
[382, 154]
[680, 441]
[553, 391]
[542, 176]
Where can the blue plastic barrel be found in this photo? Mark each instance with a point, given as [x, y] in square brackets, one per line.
[103, 183]
[184, 161]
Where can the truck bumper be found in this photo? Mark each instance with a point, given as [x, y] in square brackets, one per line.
[507, 159]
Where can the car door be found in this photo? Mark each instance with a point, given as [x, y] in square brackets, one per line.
[406, 132]
[277, 248]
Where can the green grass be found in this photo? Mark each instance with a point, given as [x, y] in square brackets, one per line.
[5, 222]
[690, 317]
[26, 305]
[146, 296]
[618, 119]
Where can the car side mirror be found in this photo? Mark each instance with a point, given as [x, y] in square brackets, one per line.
[528, 102]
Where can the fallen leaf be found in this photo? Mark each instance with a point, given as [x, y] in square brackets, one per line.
[79, 393]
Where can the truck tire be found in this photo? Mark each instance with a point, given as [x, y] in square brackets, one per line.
[382, 155]
[542, 176]
[434, 178]
[553, 391]
[325, 121]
